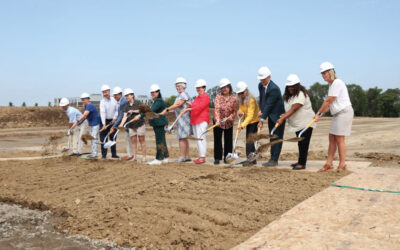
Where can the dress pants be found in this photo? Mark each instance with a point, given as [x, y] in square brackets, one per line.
[218, 142]
[250, 129]
[303, 146]
[103, 135]
[276, 149]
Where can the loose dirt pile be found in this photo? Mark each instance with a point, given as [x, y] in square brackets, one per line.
[51, 145]
[21, 117]
[163, 207]
[380, 159]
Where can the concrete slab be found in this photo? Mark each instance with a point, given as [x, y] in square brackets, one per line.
[340, 218]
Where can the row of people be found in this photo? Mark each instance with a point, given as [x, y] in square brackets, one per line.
[272, 108]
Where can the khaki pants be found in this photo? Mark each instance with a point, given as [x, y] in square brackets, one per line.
[77, 143]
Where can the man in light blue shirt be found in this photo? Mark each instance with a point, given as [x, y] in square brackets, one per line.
[78, 130]
[121, 100]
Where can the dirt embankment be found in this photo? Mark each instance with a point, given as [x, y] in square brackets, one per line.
[22, 117]
[158, 207]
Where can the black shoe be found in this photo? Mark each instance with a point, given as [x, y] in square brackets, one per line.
[225, 161]
[302, 167]
[73, 154]
[299, 164]
[294, 164]
[271, 163]
[216, 162]
[115, 156]
[249, 163]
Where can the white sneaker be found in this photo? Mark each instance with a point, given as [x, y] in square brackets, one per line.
[154, 162]
[165, 160]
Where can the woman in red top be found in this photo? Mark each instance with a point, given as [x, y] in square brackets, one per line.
[226, 106]
[199, 118]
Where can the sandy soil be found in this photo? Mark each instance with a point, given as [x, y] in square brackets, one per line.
[174, 205]
[170, 206]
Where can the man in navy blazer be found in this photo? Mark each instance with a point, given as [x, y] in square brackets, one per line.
[271, 107]
[117, 92]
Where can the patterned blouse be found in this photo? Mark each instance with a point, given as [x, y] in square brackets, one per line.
[225, 107]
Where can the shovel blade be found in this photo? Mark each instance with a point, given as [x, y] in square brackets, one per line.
[252, 156]
[231, 157]
[109, 144]
[295, 139]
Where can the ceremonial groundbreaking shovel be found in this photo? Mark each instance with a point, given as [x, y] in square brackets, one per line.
[68, 140]
[299, 138]
[213, 126]
[109, 144]
[233, 156]
[170, 129]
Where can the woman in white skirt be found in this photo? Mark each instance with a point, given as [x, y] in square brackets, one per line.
[338, 103]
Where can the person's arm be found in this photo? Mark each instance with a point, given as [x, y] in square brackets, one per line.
[85, 114]
[102, 113]
[116, 107]
[324, 107]
[119, 118]
[125, 116]
[250, 113]
[288, 114]
[235, 109]
[217, 109]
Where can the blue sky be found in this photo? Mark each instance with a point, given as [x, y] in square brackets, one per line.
[63, 48]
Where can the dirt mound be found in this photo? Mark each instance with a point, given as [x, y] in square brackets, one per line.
[21, 117]
[174, 206]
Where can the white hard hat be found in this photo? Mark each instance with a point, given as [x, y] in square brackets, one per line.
[180, 80]
[292, 79]
[64, 102]
[240, 87]
[85, 95]
[128, 91]
[154, 87]
[105, 87]
[263, 73]
[326, 66]
[201, 83]
[116, 90]
[224, 82]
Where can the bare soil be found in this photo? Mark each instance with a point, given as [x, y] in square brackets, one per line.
[163, 207]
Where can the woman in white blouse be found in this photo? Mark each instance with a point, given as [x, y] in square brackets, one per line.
[338, 103]
[299, 113]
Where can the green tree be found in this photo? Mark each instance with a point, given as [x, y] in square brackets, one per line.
[10, 104]
[372, 102]
[318, 93]
[49, 104]
[389, 103]
[23, 104]
[170, 100]
[212, 93]
[358, 99]
[36, 104]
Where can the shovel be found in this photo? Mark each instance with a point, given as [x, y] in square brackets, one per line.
[254, 155]
[233, 156]
[109, 144]
[106, 127]
[191, 137]
[170, 129]
[213, 126]
[299, 138]
[69, 136]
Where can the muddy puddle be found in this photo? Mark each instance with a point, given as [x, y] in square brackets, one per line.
[22, 228]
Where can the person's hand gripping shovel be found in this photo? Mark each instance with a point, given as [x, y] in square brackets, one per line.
[299, 138]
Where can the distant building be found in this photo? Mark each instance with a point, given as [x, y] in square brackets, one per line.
[76, 101]
[144, 99]
[96, 98]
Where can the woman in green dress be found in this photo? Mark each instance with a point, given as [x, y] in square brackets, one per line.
[158, 125]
